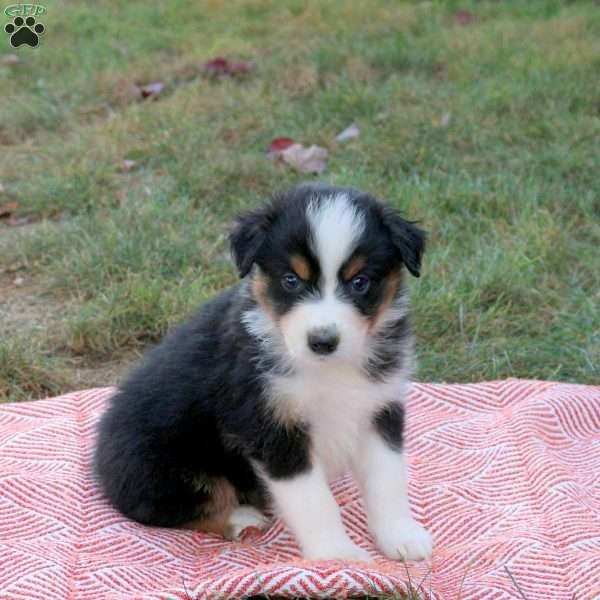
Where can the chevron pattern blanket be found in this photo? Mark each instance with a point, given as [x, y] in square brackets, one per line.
[506, 475]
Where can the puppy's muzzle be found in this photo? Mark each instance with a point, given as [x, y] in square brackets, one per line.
[324, 340]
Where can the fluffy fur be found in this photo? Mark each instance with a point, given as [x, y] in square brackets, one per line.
[281, 383]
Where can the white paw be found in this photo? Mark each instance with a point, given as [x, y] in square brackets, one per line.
[404, 539]
[245, 516]
[343, 549]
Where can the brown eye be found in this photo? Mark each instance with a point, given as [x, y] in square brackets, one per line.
[360, 284]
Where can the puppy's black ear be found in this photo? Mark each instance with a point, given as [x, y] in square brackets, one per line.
[408, 239]
[247, 237]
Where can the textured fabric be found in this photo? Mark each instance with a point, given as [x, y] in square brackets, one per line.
[502, 473]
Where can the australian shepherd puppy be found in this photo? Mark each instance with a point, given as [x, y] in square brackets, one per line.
[280, 384]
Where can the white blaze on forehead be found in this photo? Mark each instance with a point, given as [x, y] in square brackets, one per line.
[336, 228]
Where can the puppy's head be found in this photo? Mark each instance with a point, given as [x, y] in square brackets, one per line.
[327, 266]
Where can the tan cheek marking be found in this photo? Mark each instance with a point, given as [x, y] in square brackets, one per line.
[300, 266]
[259, 292]
[353, 267]
[392, 285]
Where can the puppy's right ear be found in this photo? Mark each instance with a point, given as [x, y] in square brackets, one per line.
[247, 237]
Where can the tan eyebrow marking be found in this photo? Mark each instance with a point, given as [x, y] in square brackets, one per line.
[300, 266]
[353, 267]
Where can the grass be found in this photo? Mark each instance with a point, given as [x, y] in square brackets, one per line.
[487, 132]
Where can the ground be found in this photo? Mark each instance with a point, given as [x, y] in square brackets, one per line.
[479, 119]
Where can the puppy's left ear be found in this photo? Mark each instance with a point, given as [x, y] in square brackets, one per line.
[247, 237]
[408, 239]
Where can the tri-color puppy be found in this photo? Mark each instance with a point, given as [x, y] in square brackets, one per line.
[281, 383]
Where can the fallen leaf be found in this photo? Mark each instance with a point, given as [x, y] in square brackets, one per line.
[305, 160]
[463, 17]
[223, 67]
[6, 210]
[11, 59]
[2, 189]
[19, 281]
[351, 132]
[128, 165]
[15, 221]
[278, 145]
[241, 68]
[216, 66]
[151, 90]
[445, 119]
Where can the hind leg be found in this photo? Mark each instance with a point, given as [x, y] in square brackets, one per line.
[140, 487]
[165, 505]
[242, 517]
[223, 514]
[230, 524]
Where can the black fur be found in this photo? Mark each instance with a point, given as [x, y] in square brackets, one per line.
[390, 423]
[408, 239]
[269, 235]
[197, 406]
[193, 408]
[388, 344]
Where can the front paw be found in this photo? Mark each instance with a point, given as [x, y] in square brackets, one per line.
[337, 550]
[404, 539]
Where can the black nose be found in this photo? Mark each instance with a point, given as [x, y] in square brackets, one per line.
[323, 340]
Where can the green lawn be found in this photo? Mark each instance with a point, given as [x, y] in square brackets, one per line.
[486, 131]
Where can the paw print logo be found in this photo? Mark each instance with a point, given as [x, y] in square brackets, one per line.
[24, 31]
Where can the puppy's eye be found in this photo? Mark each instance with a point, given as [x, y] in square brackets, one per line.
[290, 282]
[360, 284]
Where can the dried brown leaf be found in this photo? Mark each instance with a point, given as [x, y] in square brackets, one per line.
[151, 90]
[463, 17]
[15, 221]
[350, 133]
[278, 145]
[7, 209]
[305, 160]
[128, 165]
[223, 67]
[445, 119]
[10, 59]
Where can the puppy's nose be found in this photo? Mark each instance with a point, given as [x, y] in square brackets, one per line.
[323, 340]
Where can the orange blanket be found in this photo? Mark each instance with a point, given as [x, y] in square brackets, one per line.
[506, 476]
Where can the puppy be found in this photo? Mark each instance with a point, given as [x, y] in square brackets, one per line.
[281, 383]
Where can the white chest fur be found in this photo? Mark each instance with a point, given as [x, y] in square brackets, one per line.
[337, 403]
